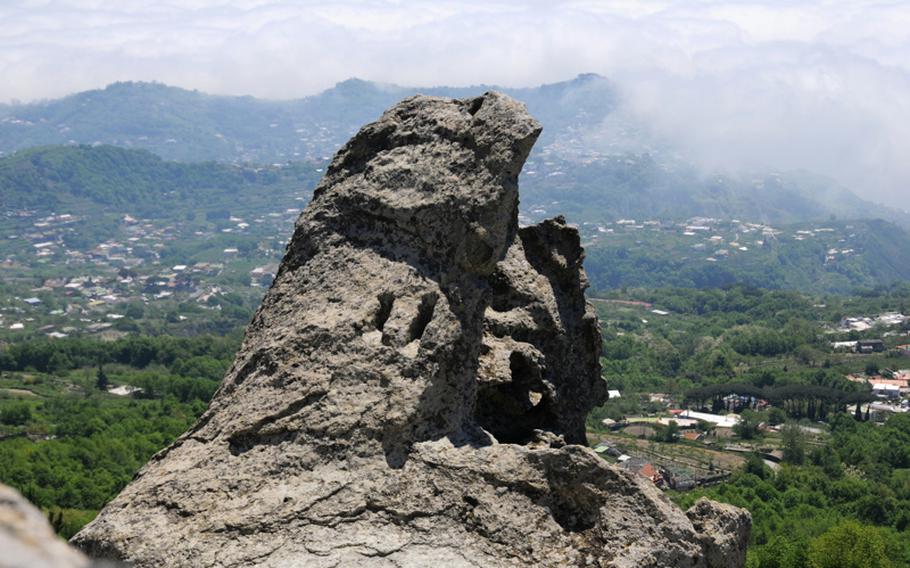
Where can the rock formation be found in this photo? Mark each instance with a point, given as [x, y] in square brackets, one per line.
[27, 539]
[412, 391]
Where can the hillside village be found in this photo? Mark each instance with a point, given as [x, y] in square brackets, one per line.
[679, 447]
[62, 281]
[677, 443]
[702, 239]
[57, 282]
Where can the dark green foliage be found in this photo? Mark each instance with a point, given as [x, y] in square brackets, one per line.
[74, 447]
[793, 444]
[670, 433]
[747, 427]
[54, 177]
[16, 414]
[101, 380]
[849, 545]
[755, 466]
[202, 356]
[815, 515]
[97, 448]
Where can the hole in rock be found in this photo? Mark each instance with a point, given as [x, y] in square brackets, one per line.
[511, 411]
[385, 310]
[500, 300]
[574, 513]
[475, 106]
[424, 316]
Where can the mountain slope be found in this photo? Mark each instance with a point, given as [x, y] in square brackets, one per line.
[115, 179]
[840, 257]
[572, 170]
[192, 126]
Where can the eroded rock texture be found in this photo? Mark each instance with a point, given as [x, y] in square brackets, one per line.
[412, 388]
[27, 539]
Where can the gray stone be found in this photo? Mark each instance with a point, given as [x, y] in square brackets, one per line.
[27, 539]
[412, 390]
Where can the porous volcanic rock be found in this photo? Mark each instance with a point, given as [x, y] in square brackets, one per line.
[412, 390]
[27, 539]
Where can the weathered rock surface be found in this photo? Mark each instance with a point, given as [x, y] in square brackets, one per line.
[27, 539]
[413, 387]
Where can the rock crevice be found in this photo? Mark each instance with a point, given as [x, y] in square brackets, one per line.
[412, 390]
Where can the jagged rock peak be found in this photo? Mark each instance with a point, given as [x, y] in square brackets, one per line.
[412, 390]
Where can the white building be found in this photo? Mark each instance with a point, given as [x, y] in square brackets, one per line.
[727, 421]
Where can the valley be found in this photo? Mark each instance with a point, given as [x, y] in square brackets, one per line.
[128, 280]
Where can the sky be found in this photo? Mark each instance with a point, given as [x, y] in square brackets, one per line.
[822, 85]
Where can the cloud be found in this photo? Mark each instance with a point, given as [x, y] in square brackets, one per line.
[816, 84]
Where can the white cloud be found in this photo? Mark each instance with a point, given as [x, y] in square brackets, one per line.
[821, 84]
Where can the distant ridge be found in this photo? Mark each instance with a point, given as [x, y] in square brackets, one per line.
[573, 169]
[188, 125]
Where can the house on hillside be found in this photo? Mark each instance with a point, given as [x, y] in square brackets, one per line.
[844, 345]
[870, 346]
[728, 421]
[692, 435]
[643, 468]
[884, 390]
[881, 411]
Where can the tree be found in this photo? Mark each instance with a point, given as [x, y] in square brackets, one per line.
[59, 361]
[135, 311]
[756, 466]
[671, 432]
[16, 415]
[101, 380]
[747, 427]
[793, 444]
[849, 545]
[776, 416]
[782, 551]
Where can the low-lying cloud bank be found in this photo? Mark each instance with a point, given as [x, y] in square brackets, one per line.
[816, 84]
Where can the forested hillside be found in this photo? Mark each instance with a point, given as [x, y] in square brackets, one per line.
[54, 177]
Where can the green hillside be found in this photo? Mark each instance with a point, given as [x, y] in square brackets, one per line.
[836, 256]
[109, 178]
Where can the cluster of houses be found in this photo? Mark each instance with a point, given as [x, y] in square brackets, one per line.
[95, 282]
[891, 389]
[713, 240]
[863, 323]
[662, 473]
[863, 346]
[860, 324]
